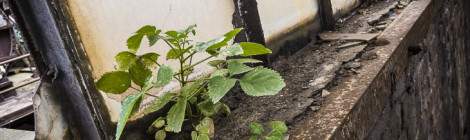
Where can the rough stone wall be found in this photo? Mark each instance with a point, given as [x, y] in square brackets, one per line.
[431, 101]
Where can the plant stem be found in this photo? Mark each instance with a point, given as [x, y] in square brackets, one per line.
[197, 63]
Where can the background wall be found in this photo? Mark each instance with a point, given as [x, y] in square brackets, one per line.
[105, 25]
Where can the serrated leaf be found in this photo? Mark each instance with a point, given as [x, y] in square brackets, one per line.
[159, 103]
[160, 135]
[222, 41]
[256, 128]
[149, 59]
[200, 47]
[139, 73]
[219, 72]
[262, 82]
[159, 123]
[193, 135]
[147, 29]
[222, 107]
[133, 42]
[218, 86]
[278, 126]
[206, 126]
[128, 105]
[207, 108]
[175, 117]
[250, 49]
[232, 50]
[124, 60]
[153, 38]
[164, 76]
[203, 137]
[216, 63]
[173, 34]
[235, 67]
[114, 82]
[191, 29]
[246, 60]
[192, 88]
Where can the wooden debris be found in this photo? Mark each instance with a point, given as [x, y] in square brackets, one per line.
[382, 14]
[332, 36]
[350, 44]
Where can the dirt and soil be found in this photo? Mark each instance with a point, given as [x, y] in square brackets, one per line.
[308, 74]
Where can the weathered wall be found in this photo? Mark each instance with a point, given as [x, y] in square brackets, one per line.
[430, 99]
[104, 26]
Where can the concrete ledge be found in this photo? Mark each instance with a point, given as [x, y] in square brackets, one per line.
[356, 103]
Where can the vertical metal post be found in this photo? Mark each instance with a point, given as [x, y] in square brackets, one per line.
[326, 14]
[246, 16]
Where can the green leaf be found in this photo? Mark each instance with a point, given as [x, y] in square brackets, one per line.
[149, 59]
[230, 35]
[160, 135]
[203, 137]
[172, 34]
[253, 138]
[191, 29]
[207, 108]
[222, 107]
[250, 49]
[164, 76]
[246, 60]
[219, 72]
[176, 115]
[206, 126]
[158, 123]
[204, 46]
[216, 63]
[193, 135]
[279, 126]
[139, 73]
[128, 105]
[235, 67]
[151, 32]
[232, 50]
[133, 43]
[220, 42]
[256, 128]
[262, 82]
[114, 82]
[125, 59]
[159, 103]
[192, 88]
[147, 29]
[219, 86]
[175, 53]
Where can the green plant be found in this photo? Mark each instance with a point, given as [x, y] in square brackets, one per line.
[198, 100]
[278, 131]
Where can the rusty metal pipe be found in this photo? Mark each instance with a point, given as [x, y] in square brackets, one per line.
[19, 86]
[15, 59]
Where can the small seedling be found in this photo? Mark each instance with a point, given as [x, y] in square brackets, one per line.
[197, 100]
[278, 129]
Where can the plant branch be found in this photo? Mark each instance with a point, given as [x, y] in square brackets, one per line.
[197, 63]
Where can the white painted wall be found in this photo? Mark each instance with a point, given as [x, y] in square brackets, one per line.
[105, 25]
[278, 17]
[343, 6]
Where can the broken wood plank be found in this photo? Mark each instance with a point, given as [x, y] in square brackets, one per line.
[332, 36]
[350, 44]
